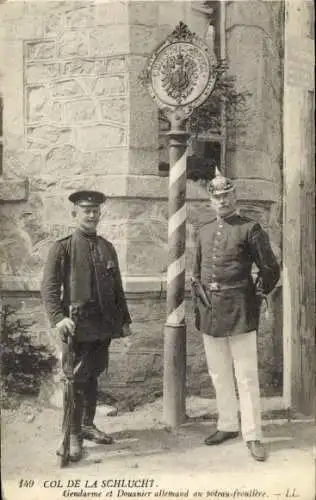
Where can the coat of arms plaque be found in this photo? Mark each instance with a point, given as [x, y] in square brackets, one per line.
[181, 72]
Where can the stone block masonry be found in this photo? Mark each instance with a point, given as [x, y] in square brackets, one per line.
[77, 109]
[69, 102]
[136, 364]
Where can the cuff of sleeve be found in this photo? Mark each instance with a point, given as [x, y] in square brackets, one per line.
[56, 319]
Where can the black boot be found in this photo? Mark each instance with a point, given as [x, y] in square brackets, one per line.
[89, 430]
[257, 450]
[219, 437]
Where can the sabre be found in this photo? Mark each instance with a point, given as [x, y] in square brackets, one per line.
[200, 292]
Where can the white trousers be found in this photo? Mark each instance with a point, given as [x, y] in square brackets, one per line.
[225, 355]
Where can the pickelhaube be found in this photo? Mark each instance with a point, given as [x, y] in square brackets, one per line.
[220, 184]
[87, 198]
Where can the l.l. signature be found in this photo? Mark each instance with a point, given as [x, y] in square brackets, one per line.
[291, 493]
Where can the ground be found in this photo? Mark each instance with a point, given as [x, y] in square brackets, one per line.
[163, 462]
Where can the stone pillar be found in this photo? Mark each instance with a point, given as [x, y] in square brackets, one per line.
[149, 23]
[254, 43]
[254, 32]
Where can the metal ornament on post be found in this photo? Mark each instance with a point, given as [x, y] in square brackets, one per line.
[180, 75]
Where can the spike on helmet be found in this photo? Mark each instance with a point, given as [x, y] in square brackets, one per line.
[220, 184]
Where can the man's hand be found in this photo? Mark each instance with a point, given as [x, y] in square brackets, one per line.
[65, 328]
[126, 330]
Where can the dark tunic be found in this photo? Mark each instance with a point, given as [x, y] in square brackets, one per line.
[103, 316]
[225, 253]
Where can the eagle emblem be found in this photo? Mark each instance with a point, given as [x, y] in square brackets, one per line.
[179, 76]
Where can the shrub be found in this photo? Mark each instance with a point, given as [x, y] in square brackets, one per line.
[24, 364]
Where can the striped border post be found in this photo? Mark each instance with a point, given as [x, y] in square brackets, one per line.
[175, 328]
[180, 75]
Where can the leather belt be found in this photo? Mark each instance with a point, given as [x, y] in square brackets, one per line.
[215, 286]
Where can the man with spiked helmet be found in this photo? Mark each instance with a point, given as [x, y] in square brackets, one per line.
[227, 305]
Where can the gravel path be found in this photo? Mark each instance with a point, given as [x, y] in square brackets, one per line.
[163, 463]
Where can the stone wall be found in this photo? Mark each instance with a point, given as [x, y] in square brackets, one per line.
[76, 116]
[255, 34]
[66, 120]
[136, 364]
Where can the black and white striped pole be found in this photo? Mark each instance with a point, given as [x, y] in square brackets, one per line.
[175, 327]
[180, 75]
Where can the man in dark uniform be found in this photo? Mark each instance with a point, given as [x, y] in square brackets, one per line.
[82, 272]
[227, 303]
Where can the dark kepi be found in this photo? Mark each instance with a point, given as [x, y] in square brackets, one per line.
[87, 198]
